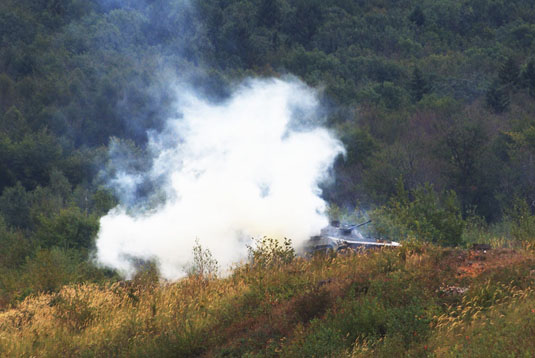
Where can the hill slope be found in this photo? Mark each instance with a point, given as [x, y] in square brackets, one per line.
[419, 301]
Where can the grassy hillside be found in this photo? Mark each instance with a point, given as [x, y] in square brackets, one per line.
[414, 301]
[437, 96]
[434, 101]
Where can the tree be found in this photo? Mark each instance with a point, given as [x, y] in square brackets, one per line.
[7, 91]
[69, 229]
[13, 124]
[522, 220]
[307, 19]
[509, 74]
[418, 85]
[14, 246]
[528, 78]
[204, 265]
[34, 157]
[466, 149]
[103, 201]
[422, 214]
[60, 186]
[392, 96]
[417, 16]
[15, 206]
[498, 97]
[7, 174]
[268, 13]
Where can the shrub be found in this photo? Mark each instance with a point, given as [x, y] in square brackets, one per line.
[71, 228]
[15, 206]
[523, 222]
[311, 304]
[269, 252]
[204, 265]
[73, 312]
[147, 273]
[422, 214]
[14, 246]
[50, 269]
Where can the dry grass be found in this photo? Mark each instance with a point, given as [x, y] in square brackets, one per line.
[354, 305]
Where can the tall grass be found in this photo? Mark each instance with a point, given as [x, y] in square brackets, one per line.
[417, 301]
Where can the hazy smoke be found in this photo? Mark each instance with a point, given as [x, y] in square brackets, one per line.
[248, 167]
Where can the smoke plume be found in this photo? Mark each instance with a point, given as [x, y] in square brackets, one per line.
[247, 167]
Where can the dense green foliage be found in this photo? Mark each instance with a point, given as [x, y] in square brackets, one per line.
[427, 217]
[434, 101]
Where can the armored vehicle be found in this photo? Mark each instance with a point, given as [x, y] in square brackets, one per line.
[339, 237]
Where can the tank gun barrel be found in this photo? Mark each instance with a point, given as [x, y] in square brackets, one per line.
[362, 224]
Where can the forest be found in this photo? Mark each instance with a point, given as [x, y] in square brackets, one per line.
[434, 102]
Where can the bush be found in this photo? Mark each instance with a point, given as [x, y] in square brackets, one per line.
[421, 214]
[269, 252]
[311, 304]
[74, 312]
[14, 246]
[15, 206]
[50, 269]
[204, 264]
[71, 228]
[523, 222]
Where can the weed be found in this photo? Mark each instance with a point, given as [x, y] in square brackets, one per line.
[205, 266]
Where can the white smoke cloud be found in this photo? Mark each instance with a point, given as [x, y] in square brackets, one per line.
[246, 168]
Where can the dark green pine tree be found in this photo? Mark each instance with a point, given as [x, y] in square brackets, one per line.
[268, 13]
[417, 16]
[498, 97]
[419, 85]
[509, 74]
[528, 78]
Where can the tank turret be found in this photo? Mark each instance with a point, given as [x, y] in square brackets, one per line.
[337, 236]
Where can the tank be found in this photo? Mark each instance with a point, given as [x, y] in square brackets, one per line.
[338, 237]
